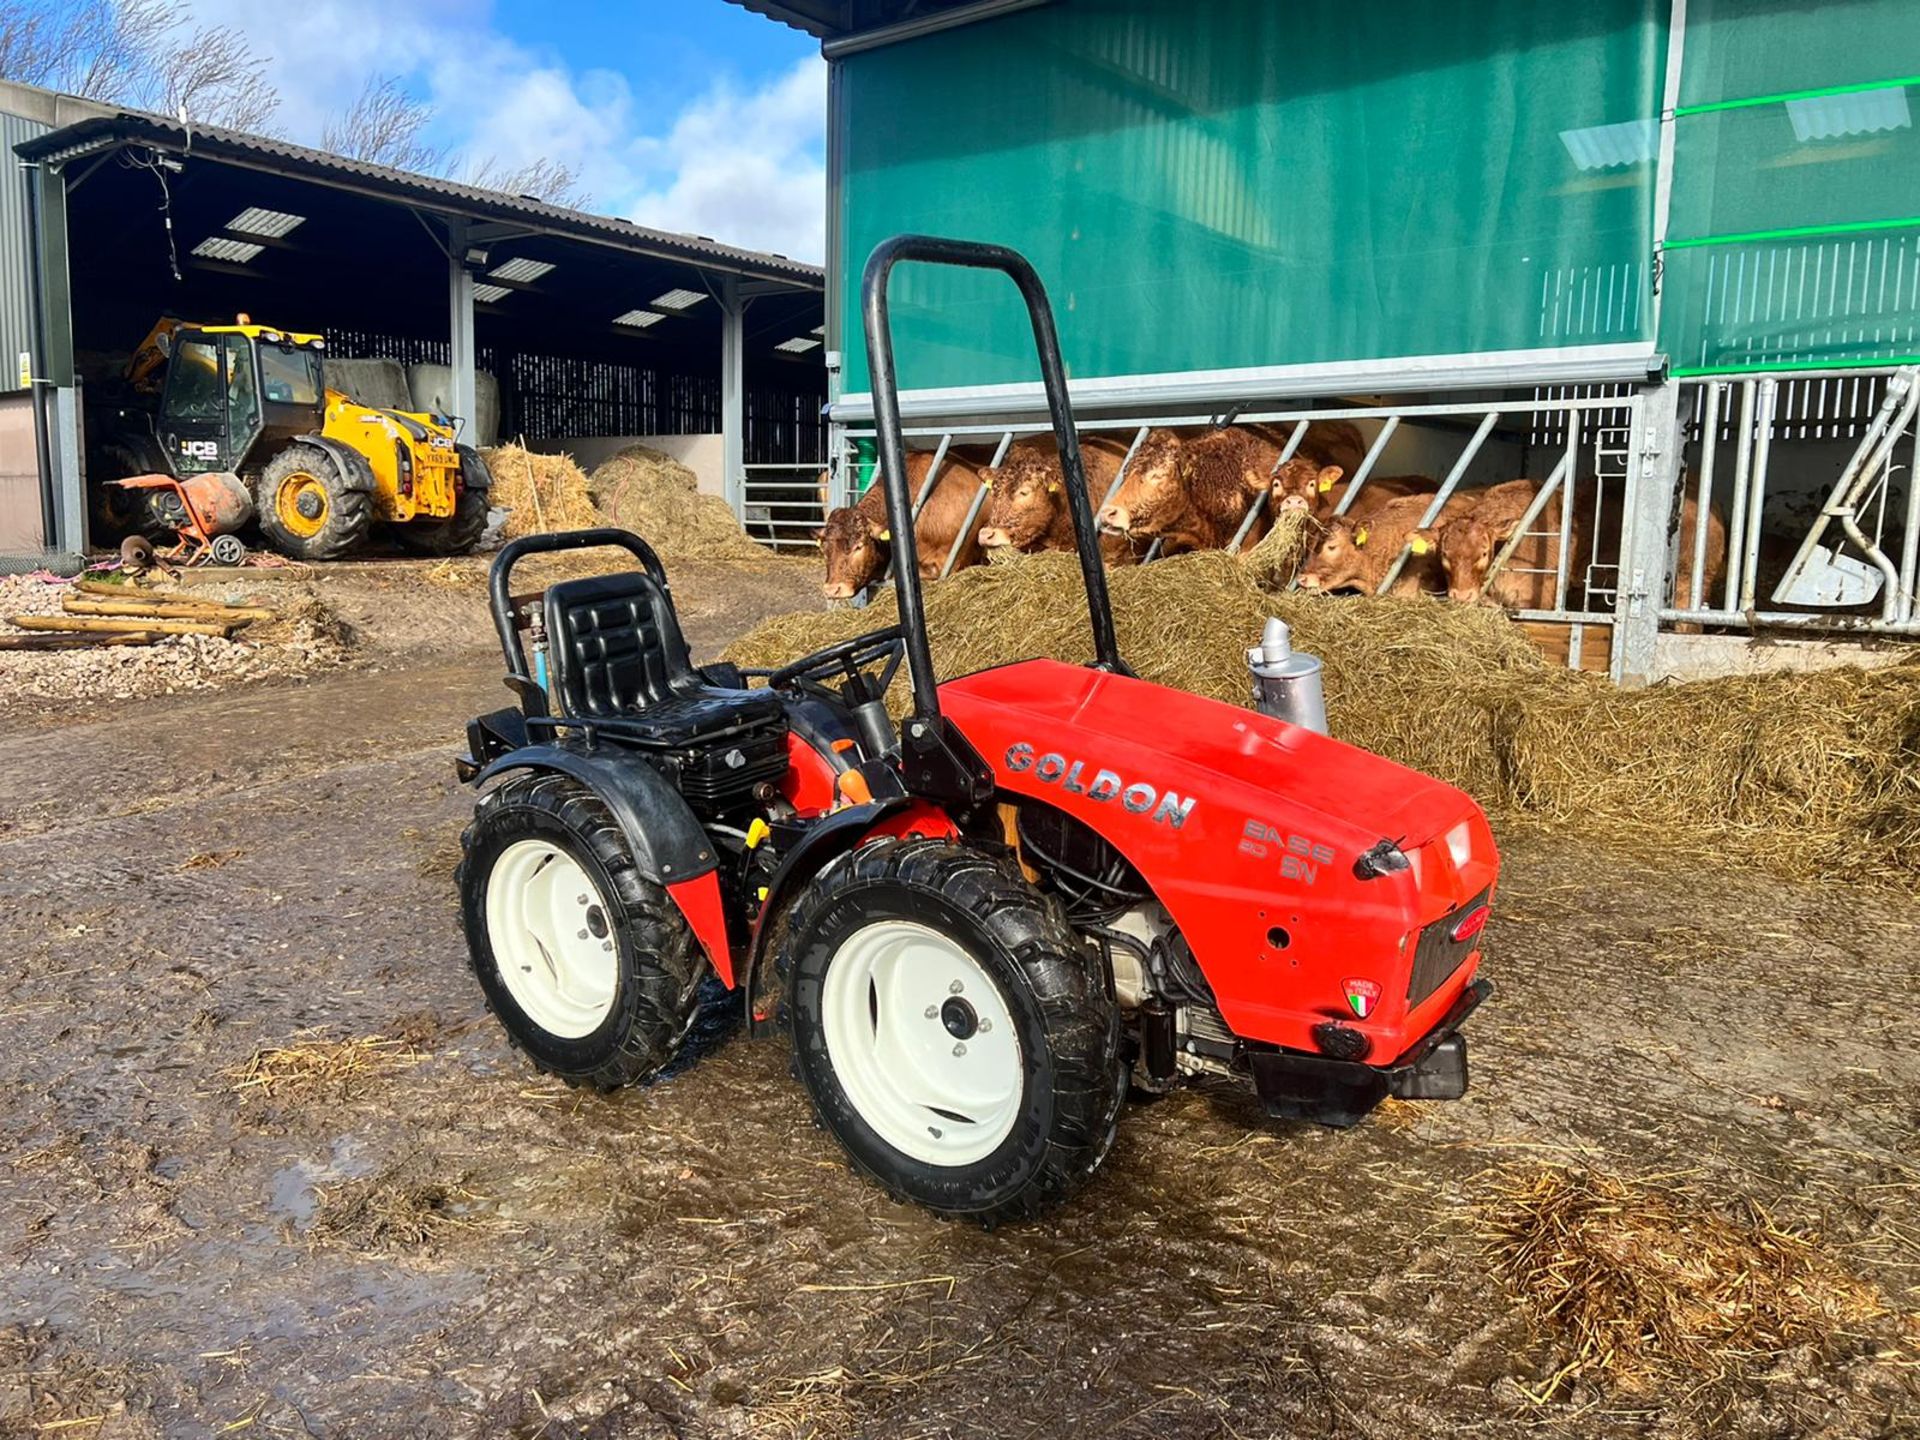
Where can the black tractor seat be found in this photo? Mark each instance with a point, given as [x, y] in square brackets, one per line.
[618, 659]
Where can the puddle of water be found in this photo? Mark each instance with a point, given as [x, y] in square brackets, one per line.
[291, 1191]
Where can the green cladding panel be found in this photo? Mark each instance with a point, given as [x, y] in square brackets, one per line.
[1247, 184]
[1794, 237]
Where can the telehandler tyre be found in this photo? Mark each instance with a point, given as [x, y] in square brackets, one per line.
[306, 507]
[590, 966]
[461, 531]
[954, 1033]
[455, 535]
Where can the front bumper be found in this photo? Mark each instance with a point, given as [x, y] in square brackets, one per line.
[1294, 1085]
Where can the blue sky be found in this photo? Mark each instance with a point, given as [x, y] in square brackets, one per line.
[689, 115]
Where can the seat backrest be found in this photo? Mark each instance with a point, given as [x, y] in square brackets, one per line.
[614, 644]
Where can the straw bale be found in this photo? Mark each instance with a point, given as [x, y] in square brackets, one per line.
[657, 498]
[541, 493]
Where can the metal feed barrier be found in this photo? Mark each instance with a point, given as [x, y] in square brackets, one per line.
[1617, 462]
[1842, 576]
[1591, 430]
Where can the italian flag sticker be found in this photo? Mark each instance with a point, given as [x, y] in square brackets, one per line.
[1362, 996]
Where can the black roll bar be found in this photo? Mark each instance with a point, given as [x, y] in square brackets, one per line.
[973, 255]
[500, 593]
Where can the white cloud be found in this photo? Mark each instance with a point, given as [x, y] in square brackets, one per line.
[741, 164]
[746, 167]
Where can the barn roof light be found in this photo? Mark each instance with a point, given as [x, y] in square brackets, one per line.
[274, 224]
[818, 330]
[1603, 147]
[522, 270]
[220, 247]
[1865, 112]
[639, 319]
[678, 299]
[487, 294]
[798, 345]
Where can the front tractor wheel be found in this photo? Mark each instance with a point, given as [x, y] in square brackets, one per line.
[590, 966]
[954, 1034]
[307, 508]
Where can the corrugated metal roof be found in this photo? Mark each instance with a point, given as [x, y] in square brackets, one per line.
[445, 196]
[800, 19]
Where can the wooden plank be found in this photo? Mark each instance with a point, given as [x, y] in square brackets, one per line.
[167, 609]
[1554, 639]
[88, 624]
[74, 640]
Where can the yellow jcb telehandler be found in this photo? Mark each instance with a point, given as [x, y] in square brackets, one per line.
[253, 401]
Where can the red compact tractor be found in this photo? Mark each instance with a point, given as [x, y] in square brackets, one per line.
[977, 927]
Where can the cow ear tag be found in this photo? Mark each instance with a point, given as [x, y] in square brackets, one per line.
[1418, 546]
[1053, 487]
[1326, 482]
[886, 534]
[1360, 536]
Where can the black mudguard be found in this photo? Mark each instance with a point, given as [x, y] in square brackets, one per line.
[354, 469]
[473, 470]
[669, 847]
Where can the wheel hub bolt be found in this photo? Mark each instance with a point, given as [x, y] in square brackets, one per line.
[959, 1049]
[933, 1012]
[308, 504]
[985, 1026]
[955, 988]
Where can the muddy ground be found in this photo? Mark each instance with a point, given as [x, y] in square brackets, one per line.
[437, 1242]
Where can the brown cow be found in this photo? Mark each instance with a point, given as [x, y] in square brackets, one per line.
[1193, 493]
[1466, 543]
[1318, 489]
[857, 539]
[1028, 509]
[1327, 442]
[1355, 552]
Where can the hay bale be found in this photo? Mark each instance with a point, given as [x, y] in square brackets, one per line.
[1642, 1281]
[541, 493]
[1807, 774]
[655, 496]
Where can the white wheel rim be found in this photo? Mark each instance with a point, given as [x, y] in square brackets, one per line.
[551, 933]
[922, 1042]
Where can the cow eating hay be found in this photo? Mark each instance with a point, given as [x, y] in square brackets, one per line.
[1814, 774]
[1640, 1280]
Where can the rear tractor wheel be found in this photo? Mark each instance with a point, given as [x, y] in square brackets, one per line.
[954, 1034]
[308, 508]
[590, 966]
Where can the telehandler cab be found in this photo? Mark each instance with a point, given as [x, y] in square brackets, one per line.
[978, 926]
[252, 401]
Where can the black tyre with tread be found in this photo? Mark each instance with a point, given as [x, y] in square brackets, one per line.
[461, 531]
[455, 535]
[661, 964]
[346, 512]
[1054, 983]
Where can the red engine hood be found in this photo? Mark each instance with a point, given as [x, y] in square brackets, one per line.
[1248, 830]
[1206, 742]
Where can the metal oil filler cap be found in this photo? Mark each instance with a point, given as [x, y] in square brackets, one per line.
[1286, 682]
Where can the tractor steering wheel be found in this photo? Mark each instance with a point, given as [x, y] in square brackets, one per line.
[849, 658]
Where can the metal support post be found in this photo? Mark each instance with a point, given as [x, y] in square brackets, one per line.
[1653, 479]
